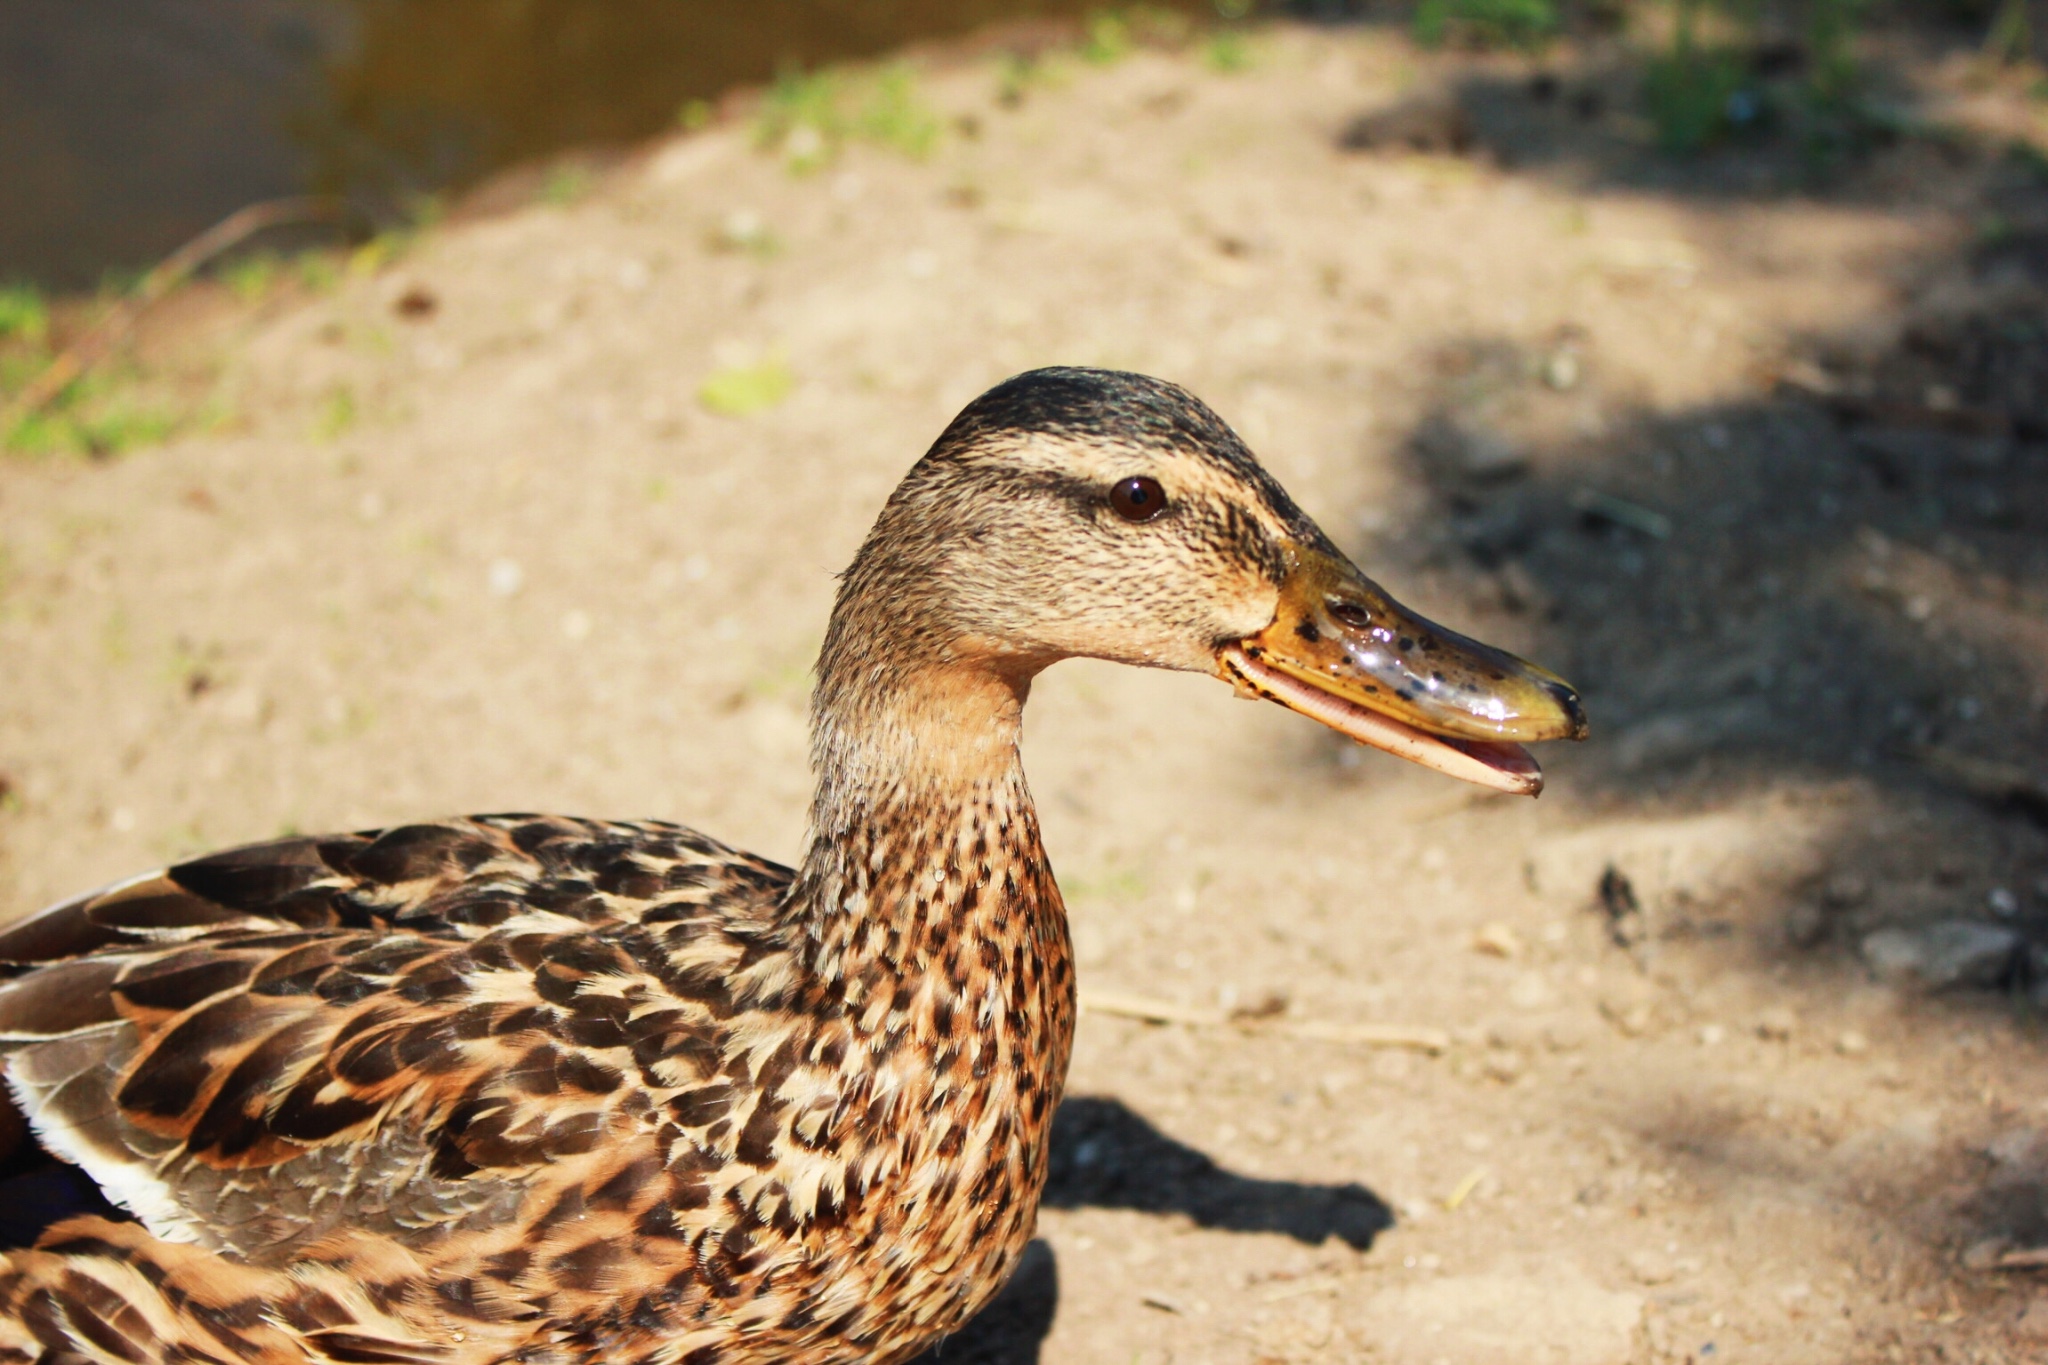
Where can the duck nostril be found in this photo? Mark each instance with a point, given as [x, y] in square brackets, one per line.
[1348, 614]
[1574, 709]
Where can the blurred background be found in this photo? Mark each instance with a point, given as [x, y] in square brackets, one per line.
[415, 406]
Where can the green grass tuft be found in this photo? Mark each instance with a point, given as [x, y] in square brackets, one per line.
[1524, 24]
[810, 117]
[1228, 52]
[100, 416]
[23, 314]
[250, 278]
[743, 390]
[337, 414]
[565, 185]
[1695, 98]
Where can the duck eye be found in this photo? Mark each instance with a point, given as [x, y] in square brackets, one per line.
[1138, 498]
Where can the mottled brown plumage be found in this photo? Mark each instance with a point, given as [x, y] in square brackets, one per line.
[526, 1088]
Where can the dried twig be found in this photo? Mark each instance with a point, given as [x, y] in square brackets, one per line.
[1591, 502]
[1314, 1284]
[81, 355]
[1987, 779]
[1465, 1187]
[1802, 379]
[2031, 1258]
[1154, 1011]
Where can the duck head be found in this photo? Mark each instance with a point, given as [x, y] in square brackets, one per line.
[1093, 513]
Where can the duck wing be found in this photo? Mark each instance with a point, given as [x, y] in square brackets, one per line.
[394, 1032]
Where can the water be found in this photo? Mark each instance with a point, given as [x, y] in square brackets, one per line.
[126, 126]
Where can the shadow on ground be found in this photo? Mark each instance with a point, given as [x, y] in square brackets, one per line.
[1105, 1156]
[1838, 585]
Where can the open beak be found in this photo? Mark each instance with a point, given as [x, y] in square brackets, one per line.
[1342, 651]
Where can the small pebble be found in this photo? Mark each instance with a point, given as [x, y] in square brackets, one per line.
[505, 577]
[1984, 1255]
[1851, 1043]
[1805, 925]
[1497, 940]
[2032, 1323]
[1845, 891]
[1776, 1024]
[1561, 370]
[1942, 955]
[1651, 1267]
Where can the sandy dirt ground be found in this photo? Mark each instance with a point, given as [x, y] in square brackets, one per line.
[1761, 470]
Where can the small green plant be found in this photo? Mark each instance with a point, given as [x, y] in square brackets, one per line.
[2011, 39]
[23, 314]
[336, 415]
[1702, 89]
[1833, 75]
[249, 278]
[99, 416]
[1110, 35]
[1227, 52]
[564, 185]
[694, 114]
[2028, 160]
[1697, 92]
[318, 271]
[743, 390]
[892, 114]
[1524, 24]
[810, 117]
[1021, 73]
[1106, 38]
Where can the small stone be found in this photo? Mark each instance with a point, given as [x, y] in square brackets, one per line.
[1565, 1035]
[1497, 940]
[1530, 992]
[416, 304]
[1776, 1024]
[1617, 897]
[1850, 1043]
[506, 577]
[1561, 369]
[2017, 1149]
[1943, 955]
[1512, 1032]
[2002, 902]
[1806, 925]
[1712, 1035]
[2032, 1323]
[1651, 1267]
[1632, 1021]
[1487, 456]
[1845, 891]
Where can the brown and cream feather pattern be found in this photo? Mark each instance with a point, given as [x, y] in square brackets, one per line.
[537, 1089]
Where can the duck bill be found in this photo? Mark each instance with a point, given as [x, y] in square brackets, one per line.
[1342, 651]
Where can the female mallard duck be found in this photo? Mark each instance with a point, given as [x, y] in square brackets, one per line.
[525, 1088]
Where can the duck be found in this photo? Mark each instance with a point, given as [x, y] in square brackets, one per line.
[559, 1091]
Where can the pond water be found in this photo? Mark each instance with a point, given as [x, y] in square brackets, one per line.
[126, 126]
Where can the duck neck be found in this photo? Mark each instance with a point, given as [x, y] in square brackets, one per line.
[923, 845]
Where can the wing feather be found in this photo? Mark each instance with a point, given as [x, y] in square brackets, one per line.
[391, 1030]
